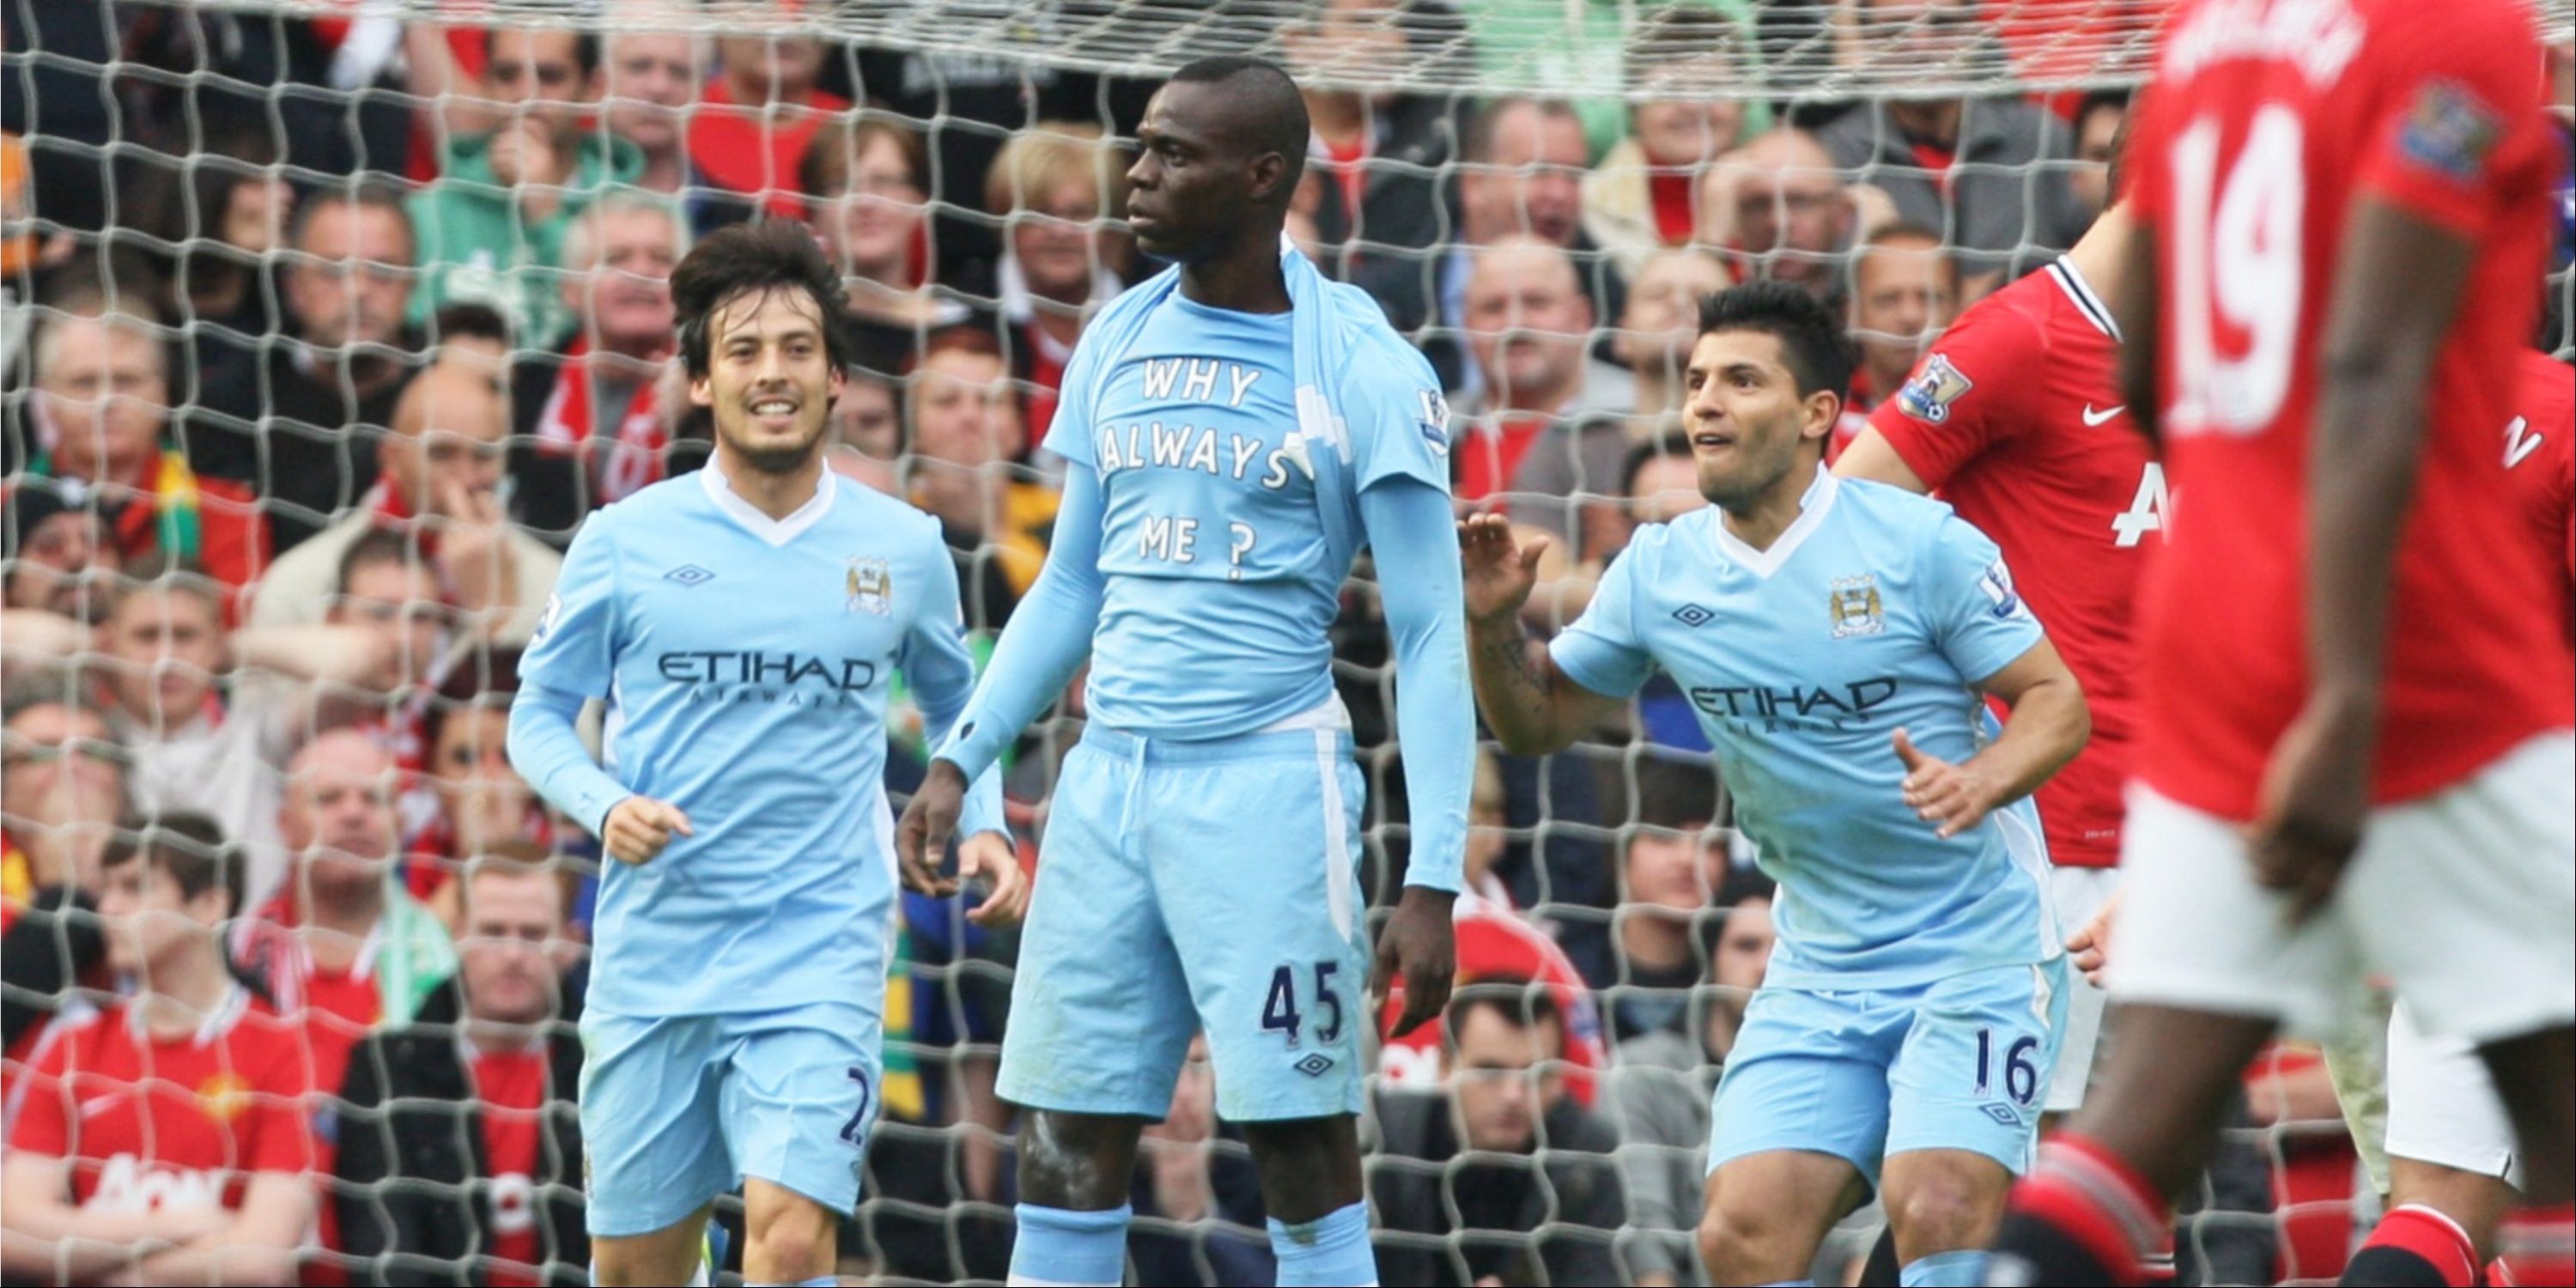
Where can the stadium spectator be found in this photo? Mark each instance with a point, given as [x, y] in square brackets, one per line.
[194, 746]
[297, 417]
[867, 177]
[224, 208]
[758, 113]
[1494, 941]
[493, 225]
[165, 1138]
[966, 431]
[1778, 208]
[1197, 1201]
[2097, 138]
[101, 415]
[1054, 186]
[591, 430]
[1669, 866]
[484, 806]
[1661, 1085]
[1523, 163]
[62, 562]
[1904, 290]
[1643, 195]
[1659, 327]
[1546, 425]
[440, 487]
[61, 798]
[460, 1152]
[1990, 171]
[1536, 1197]
[342, 946]
[650, 91]
[1371, 207]
[867, 430]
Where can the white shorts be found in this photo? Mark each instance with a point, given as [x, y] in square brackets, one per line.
[2442, 1105]
[2465, 900]
[2078, 894]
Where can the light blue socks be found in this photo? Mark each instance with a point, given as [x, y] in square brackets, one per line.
[1331, 1250]
[1061, 1249]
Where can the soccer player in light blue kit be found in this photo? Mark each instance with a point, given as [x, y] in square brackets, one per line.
[1237, 429]
[742, 624]
[1837, 639]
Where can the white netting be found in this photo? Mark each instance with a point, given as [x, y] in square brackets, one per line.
[160, 155]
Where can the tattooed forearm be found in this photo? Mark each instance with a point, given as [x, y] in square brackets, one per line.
[1523, 699]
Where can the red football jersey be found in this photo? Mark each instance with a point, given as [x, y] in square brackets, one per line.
[2015, 419]
[2268, 122]
[157, 1123]
[2540, 465]
[512, 1088]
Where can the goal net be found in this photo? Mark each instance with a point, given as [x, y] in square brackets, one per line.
[234, 238]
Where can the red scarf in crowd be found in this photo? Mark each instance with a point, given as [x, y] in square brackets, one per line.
[632, 459]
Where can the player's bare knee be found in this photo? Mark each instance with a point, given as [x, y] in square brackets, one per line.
[795, 1243]
[1946, 1205]
[1078, 1162]
[1743, 1242]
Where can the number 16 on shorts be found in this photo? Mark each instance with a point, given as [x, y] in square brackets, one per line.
[1280, 1012]
[2020, 1072]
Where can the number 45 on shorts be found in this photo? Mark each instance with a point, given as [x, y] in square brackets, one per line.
[1279, 1010]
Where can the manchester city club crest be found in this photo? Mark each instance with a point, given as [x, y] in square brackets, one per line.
[870, 587]
[1856, 607]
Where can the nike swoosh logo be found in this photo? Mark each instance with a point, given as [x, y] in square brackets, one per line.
[2096, 419]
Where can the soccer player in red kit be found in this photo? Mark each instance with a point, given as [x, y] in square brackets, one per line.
[164, 1139]
[2015, 419]
[2540, 465]
[2340, 211]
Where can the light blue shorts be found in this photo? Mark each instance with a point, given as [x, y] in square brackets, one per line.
[1187, 886]
[1960, 1063]
[676, 1110]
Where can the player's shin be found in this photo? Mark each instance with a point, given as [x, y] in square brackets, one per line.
[1331, 1250]
[1058, 1248]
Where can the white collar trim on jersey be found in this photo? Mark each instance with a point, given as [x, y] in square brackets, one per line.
[1816, 502]
[2070, 279]
[777, 532]
[217, 1023]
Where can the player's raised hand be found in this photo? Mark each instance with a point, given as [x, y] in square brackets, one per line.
[989, 855]
[1953, 798]
[1420, 943]
[921, 839]
[1500, 568]
[639, 827]
[2091, 944]
[2308, 812]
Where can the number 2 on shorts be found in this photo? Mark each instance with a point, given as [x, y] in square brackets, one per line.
[851, 1130]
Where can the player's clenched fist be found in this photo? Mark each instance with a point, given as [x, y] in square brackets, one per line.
[1953, 798]
[639, 826]
[1499, 567]
[921, 839]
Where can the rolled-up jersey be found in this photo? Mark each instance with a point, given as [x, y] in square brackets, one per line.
[1876, 610]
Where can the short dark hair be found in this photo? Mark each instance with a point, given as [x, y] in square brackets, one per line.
[1522, 1003]
[364, 194]
[1674, 793]
[469, 320]
[1819, 355]
[1477, 146]
[1672, 442]
[755, 259]
[585, 44]
[373, 546]
[190, 847]
[1268, 95]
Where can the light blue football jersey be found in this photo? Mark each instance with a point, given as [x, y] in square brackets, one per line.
[1876, 610]
[745, 662]
[1219, 594]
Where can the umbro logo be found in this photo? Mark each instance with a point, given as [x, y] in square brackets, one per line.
[1693, 615]
[1315, 1065]
[2003, 1114]
[688, 574]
